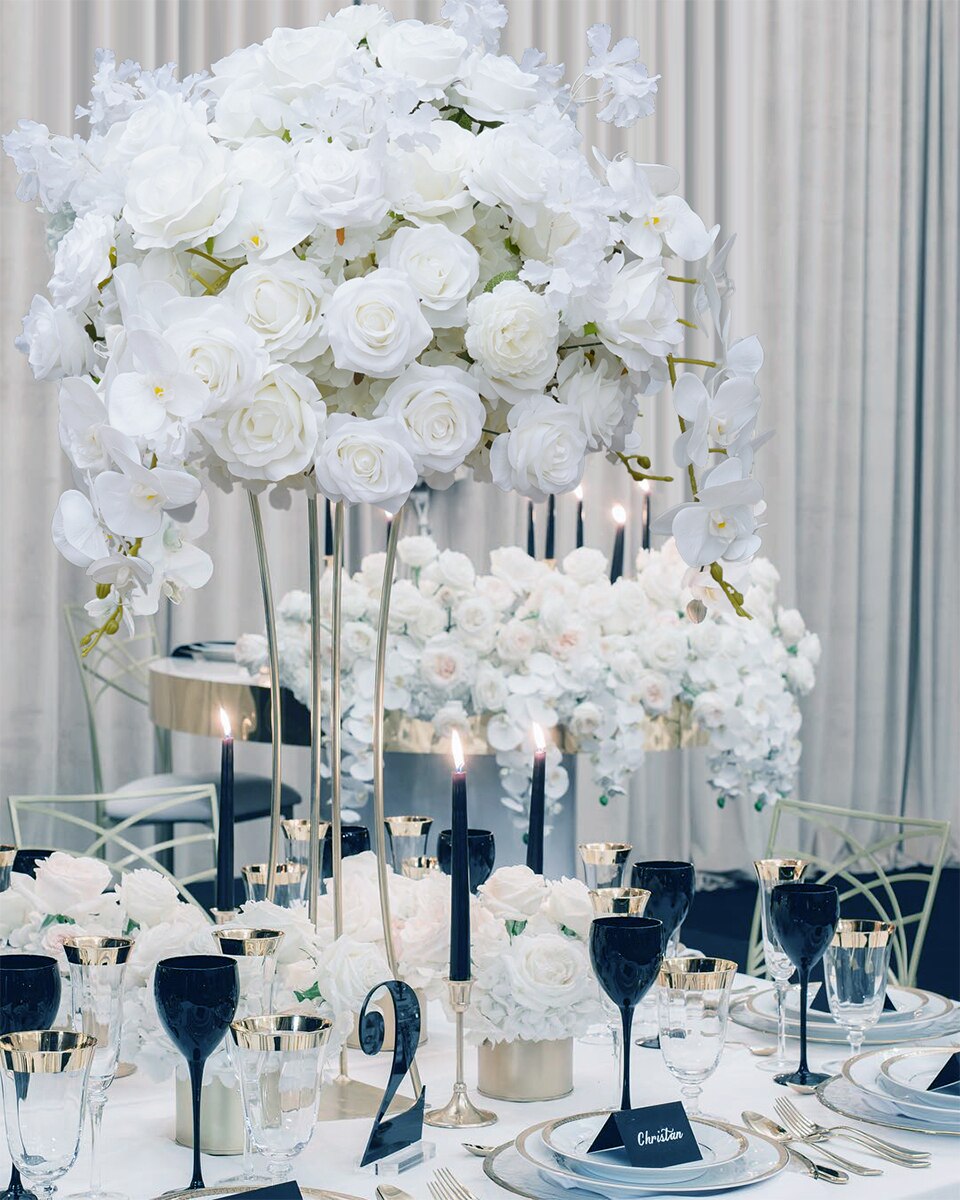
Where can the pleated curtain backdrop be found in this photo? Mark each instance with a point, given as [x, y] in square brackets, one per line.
[826, 135]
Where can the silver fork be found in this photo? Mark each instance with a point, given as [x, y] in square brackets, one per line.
[446, 1186]
[812, 1132]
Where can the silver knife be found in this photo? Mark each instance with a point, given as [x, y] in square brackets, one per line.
[817, 1170]
[386, 1191]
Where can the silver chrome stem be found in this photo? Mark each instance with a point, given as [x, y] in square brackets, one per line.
[316, 715]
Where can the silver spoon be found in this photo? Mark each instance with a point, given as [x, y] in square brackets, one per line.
[478, 1151]
[756, 1051]
[770, 1129]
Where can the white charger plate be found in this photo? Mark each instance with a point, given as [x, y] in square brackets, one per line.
[864, 1073]
[749, 1015]
[907, 1075]
[911, 1004]
[844, 1098]
[570, 1138]
[509, 1169]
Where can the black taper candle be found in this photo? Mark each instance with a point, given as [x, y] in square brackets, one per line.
[579, 495]
[225, 890]
[549, 553]
[459, 871]
[616, 563]
[328, 530]
[645, 519]
[535, 829]
[531, 531]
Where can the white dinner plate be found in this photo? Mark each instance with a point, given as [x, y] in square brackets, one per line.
[842, 1097]
[750, 1016]
[524, 1176]
[910, 1004]
[864, 1073]
[570, 1138]
[907, 1075]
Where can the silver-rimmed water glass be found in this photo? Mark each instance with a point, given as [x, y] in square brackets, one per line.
[44, 1077]
[770, 872]
[97, 973]
[296, 835]
[255, 951]
[420, 866]
[855, 969]
[289, 882]
[7, 856]
[693, 1004]
[280, 1061]
[604, 863]
[407, 838]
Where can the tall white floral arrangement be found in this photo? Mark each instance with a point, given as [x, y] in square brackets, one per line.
[358, 255]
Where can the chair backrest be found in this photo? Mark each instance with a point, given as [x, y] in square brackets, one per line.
[861, 853]
[112, 840]
[117, 664]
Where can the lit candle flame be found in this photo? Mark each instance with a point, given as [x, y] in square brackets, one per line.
[457, 748]
[225, 723]
[619, 514]
[539, 739]
[578, 492]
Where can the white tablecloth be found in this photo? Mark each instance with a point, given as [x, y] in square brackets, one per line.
[141, 1158]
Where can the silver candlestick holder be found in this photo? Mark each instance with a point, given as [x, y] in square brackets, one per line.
[459, 1112]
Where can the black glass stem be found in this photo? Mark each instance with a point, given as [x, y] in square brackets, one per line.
[29, 999]
[804, 918]
[481, 849]
[354, 839]
[196, 997]
[626, 953]
[671, 885]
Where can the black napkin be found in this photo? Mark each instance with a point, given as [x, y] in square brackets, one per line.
[657, 1135]
[948, 1077]
[820, 1003]
[273, 1191]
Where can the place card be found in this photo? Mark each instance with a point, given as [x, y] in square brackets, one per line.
[947, 1079]
[658, 1135]
[820, 1003]
[272, 1191]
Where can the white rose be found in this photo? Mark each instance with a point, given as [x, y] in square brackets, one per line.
[516, 567]
[516, 640]
[430, 55]
[597, 395]
[188, 933]
[82, 260]
[548, 972]
[476, 621]
[568, 904]
[489, 689]
[512, 334]
[800, 674]
[337, 186]
[17, 906]
[441, 411]
[359, 22]
[445, 663]
[586, 719]
[214, 343]
[147, 897]
[513, 893]
[709, 710]
[416, 552]
[273, 434]
[442, 268]
[639, 321]
[348, 969]
[180, 192]
[365, 462]
[585, 565]
[427, 184]
[654, 691]
[69, 886]
[508, 169]
[283, 301]
[307, 56]
[493, 87]
[454, 570]
[665, 648]
[498, 591]
[809, 648]
[54, 341]
[544, 452]
[791, 625]
[375, 325]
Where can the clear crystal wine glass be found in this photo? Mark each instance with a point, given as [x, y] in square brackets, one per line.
[97, 969]
[44, 1076]
[693, 1004]
[855, 967]
[770, 872]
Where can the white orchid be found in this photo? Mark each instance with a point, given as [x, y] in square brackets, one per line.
[715, 422]
[132, 500]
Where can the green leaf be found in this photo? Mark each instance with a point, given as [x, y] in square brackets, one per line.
[501, 278]
[208, 244]
[130, 927]
[512, 247]
[590, 329]
[312, 993]
[56, 919]
[565, 929]
[285, 135]
[515, 928]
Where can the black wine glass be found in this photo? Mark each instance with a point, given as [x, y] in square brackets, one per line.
[481, 849]
[196, 996]
[29, 999]
[671, 886]
[804, 917]
[626, 953]
[354, 839]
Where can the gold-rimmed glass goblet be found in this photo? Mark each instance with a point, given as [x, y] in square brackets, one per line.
[288, 882]
[97, 974]
[693, 1004]
[44, 1077]
[770, 872]
[296, 835]
[7, 856]
[855, 968]
[407, 838]
[420, 866]
[604, 863]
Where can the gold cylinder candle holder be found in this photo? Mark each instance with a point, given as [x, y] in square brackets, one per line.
[524, 1071]
[459, 1112]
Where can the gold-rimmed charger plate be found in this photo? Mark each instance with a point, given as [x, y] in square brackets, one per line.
[839, 1095]
[762, 1022]
[239, 1189]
